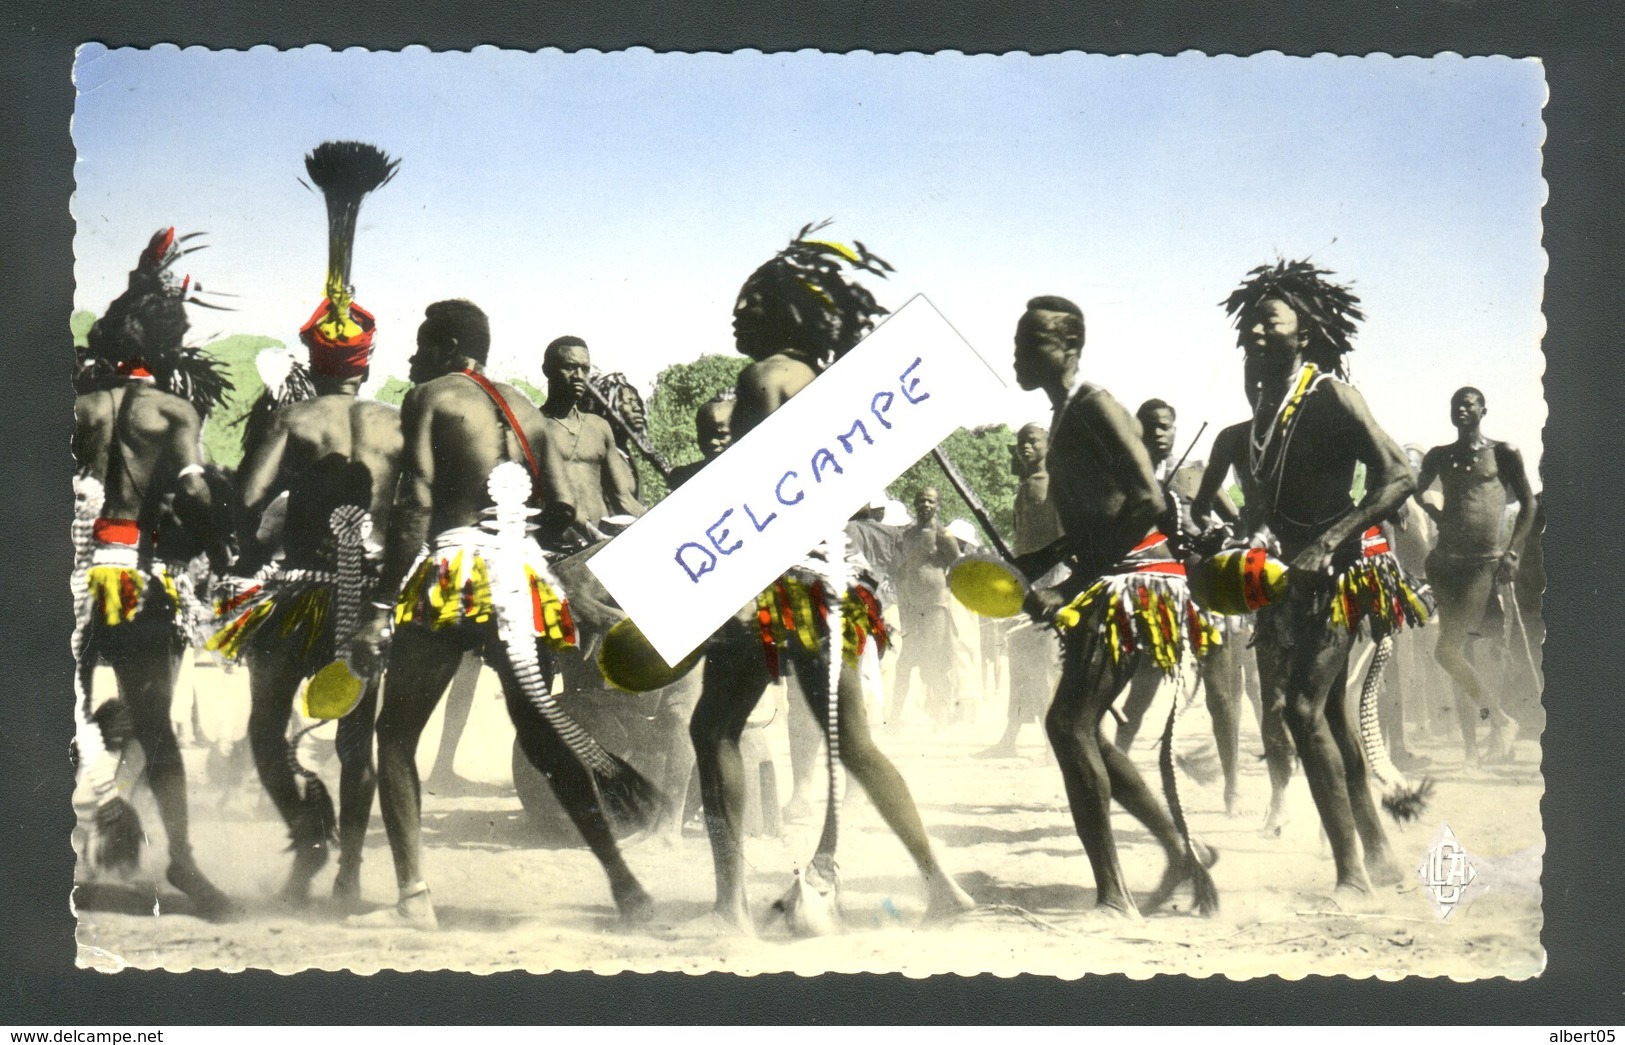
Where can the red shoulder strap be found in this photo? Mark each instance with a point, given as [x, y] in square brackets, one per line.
[513, 422]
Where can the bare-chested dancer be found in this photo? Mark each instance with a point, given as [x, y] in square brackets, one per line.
[1208, 508]
[1115, 608]
[1471, 562]
[1310, 429]
[1035, 654]
[137, 430]
[1220, 670]
[795, 315]
[460, 428]
[330, 453]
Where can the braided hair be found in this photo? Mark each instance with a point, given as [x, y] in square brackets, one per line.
[1327, 312]
[612, 387]
[825, 314]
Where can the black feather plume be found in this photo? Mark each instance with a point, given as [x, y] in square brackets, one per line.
[829, 312]
[346, 172]
[1408, 803]
[117, 837]
[628, 799]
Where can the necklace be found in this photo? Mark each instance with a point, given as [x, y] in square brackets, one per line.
[575, 433]
[1260, 461]
[1463, 457]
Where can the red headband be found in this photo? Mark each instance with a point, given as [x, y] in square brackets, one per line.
[344, 356]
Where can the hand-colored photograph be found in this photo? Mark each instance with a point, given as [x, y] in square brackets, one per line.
[808, 512]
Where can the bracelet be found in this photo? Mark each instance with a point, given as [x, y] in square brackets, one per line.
[382, 604]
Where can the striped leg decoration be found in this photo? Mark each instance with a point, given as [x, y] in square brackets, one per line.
[1400, 798]
[629, 800]
[834, 596]
[812, 907]
[1207, 894]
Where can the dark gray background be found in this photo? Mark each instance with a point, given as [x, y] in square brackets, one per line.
[1579, 44]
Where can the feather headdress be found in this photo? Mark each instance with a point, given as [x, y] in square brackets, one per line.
[825, 311]
[339, 333]
[1327, 312]
[140, 334]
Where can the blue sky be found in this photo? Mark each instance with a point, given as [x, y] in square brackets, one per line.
[624, 197]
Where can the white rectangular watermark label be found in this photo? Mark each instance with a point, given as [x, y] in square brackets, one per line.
[795, 479]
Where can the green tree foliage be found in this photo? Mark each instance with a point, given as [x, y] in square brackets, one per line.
[223, 431]
[534, 394]
[80, 323]
[680, 390]
[393, 390]
[982, 456]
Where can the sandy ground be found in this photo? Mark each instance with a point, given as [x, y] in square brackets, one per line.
[1001, 826]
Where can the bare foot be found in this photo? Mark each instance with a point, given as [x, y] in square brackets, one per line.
[947, 899]
[635, 905]
[714, 925]
[1383, 870]
[1353, 898]
[999, 750]
[412, 912]
[1105, 912]
[1178, 872]
[208, 902]
[1503, 735]
[347, 889]
[306, 862]
[1275, 819]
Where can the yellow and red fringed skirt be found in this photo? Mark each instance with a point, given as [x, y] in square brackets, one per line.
[118, 585]
[1370, 591]
[1377, 593]
[293, 609]
[794, 614]
[452, 586]
[1142, 606]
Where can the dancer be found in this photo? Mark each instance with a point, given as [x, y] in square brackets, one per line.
[1473, 561]
[1123, 604]
[1310, 428]
[338, 458]
[476, 453]
[796, 314]
[138, 434]
[1221, 670]
[1035, 653]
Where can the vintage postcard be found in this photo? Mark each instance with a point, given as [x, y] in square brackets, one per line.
[476, 452]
